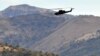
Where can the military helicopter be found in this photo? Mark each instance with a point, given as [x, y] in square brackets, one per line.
[61, 11]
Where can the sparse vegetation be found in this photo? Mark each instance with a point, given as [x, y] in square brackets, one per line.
[9, 50]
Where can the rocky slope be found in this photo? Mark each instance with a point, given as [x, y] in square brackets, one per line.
[83, 47]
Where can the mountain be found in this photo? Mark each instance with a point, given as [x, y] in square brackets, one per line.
[26, 25]
[73, 30]
[89, 47]
[39, 29]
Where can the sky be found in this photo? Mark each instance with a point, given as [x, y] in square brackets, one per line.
[82, 7]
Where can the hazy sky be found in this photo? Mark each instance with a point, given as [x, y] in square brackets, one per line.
[81, 6]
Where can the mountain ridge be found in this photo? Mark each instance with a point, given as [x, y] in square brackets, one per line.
[24, 9]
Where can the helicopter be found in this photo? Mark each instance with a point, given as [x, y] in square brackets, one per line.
[61, 11]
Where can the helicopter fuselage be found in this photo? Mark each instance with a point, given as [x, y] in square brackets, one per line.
[60, 12]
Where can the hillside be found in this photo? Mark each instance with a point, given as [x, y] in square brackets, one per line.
[76, 28]
[89, 47]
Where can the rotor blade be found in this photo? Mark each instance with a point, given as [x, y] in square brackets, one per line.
[57, 8]
[60, 8]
